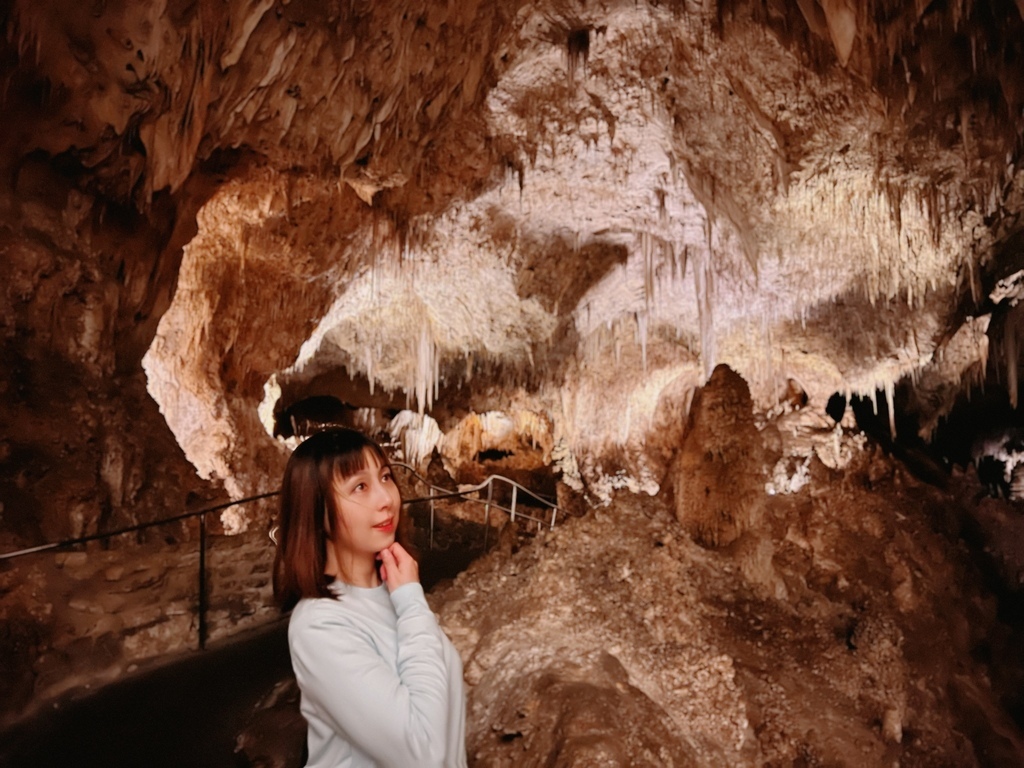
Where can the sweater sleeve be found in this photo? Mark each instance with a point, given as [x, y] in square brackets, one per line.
[398, 720]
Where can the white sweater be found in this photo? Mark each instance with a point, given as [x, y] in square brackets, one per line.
[381, 684]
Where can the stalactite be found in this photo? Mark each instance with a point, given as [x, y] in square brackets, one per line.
[704, 286]
[890, 397]
[641, 326]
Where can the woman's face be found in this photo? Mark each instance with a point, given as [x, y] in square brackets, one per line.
[368, 505]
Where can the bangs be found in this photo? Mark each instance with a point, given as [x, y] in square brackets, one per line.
[349, 463]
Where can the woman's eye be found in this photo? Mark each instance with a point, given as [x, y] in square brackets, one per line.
[386, 477]
[359, 487]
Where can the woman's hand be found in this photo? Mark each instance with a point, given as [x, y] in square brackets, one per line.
[397, 567]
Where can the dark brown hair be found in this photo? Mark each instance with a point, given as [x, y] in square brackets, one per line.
[307, 499]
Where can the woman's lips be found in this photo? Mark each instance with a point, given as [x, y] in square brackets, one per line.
[387, 526]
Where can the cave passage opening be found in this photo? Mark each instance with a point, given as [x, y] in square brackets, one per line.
[983, 432]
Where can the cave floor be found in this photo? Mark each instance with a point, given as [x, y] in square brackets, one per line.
[189, 711]
[854, 622]
[184, 713]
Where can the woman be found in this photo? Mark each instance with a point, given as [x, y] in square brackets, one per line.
[381, 684]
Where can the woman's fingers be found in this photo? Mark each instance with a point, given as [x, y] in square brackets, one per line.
[398, 567]
[399, 552]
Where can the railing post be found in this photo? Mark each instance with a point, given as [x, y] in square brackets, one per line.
[431, 523]
[202, 581]
[554, 512]
[515, 489]
[487, 510]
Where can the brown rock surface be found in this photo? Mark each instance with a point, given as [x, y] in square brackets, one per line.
[574, 211]
[858, 657]
[719, 475]
[853, 631]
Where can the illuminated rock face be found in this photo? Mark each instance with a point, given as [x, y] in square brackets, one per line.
[584, 202]
[555, 214]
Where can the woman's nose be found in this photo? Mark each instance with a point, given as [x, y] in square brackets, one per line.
[382, 495]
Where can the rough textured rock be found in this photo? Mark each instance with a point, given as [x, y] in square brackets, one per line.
[855, 658]
[719, 475]
[84, 448]
[854, 630]
[547, 196]
[581, 712]
[76, 620]
[211, 211]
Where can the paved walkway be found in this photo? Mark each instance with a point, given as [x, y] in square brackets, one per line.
[184, 714]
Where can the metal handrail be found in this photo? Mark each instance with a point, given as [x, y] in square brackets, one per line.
[201, 629]
[444, 493]
[132, 529]
[201, 514]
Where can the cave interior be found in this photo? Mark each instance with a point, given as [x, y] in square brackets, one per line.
[727, 291]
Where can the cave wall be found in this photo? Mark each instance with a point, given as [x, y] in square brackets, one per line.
[568, 210]
[843, 619]
[85, 448]
[76, 620]
[634, 194]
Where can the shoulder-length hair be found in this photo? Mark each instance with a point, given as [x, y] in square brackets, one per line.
[308, 508]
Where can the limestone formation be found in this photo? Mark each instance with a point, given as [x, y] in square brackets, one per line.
[527, 236]
[719, 474]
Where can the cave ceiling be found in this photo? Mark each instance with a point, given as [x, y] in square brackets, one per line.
[575, 209]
